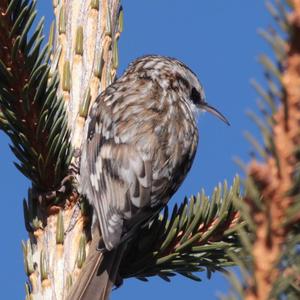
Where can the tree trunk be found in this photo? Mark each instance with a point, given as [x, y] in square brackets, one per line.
[85, 53]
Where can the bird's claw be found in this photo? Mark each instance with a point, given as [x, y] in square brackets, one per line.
[56, 193]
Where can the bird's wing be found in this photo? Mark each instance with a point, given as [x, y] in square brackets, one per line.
[119, 184]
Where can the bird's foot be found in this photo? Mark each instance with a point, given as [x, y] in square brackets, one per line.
[63, 189]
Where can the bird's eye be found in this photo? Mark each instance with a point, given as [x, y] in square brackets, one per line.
[195, 96]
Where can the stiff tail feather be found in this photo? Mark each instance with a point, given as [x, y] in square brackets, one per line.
[98, 274]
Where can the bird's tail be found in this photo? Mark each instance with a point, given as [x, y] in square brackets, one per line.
[98, 274]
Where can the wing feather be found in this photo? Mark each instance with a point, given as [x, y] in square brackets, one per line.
[119, 179]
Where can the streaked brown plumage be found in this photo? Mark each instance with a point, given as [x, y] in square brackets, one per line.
[141, 141]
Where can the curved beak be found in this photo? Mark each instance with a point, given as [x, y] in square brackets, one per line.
[215, 112]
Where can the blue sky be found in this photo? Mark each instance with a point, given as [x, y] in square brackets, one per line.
[218, 40]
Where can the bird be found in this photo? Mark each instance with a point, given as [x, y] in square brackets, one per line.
[139, 144]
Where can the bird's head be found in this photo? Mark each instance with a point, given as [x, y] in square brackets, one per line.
[194, 91]
[173, 75]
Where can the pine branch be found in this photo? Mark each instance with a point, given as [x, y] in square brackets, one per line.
[32, 114]
[198, 236]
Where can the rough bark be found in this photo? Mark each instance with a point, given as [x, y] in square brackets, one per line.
[85, 52]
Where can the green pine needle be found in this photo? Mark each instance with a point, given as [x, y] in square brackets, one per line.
[31, 113]
[192, 240]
